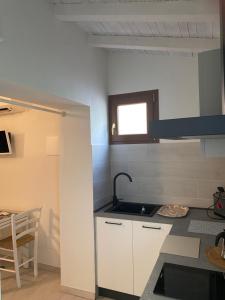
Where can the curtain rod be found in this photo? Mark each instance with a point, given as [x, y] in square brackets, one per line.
[14, 101]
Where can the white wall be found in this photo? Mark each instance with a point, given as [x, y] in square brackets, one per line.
[30, 178]
[43, 53]
[175, 76]
[167, 172]
[76, 209]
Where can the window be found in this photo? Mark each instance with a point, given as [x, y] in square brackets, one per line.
[130, 115]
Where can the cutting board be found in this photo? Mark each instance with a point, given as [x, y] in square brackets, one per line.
[181, 245]
[214, 256]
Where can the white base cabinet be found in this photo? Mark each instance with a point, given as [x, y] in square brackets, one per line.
[114, 254]
[127, 252]
[147, 241]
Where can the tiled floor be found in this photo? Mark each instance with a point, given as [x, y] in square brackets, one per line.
[45, 287]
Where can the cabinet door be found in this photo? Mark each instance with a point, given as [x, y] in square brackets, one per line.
[147, 241]
[114, 254]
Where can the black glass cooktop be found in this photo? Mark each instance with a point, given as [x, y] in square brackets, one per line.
[186, 283]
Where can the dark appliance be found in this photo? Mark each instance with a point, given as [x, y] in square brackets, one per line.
[5, 143]
[187, 283]
[219, 202]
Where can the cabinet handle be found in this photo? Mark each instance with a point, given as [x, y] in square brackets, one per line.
[113, 223]
[150, 227]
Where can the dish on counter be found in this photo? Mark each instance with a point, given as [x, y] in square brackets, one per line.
[173, 211]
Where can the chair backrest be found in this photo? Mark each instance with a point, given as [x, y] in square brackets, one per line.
[25, 223]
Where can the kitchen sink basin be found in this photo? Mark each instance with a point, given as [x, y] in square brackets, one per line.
[139, 209]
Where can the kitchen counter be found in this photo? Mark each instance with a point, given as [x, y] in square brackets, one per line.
[180, 227]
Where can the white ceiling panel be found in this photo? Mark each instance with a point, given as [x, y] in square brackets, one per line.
[206, 27]
[150, 52]
[176, 29]
[184, 31]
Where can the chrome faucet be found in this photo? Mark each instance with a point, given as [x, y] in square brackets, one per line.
[115, 199]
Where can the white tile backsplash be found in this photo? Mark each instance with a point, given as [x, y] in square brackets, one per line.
[101, 175]
[167, 173]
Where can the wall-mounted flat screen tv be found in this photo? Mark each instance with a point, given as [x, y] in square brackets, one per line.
[5, 142]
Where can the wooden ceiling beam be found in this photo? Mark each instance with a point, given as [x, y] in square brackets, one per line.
[156, 11]
[193, 45]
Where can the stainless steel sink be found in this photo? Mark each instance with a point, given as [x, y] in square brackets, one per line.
[130, 208]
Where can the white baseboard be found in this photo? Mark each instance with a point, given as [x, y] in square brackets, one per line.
[65, 289]
[78, 293]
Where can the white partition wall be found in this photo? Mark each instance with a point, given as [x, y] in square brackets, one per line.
[76, 194]
[74, 179]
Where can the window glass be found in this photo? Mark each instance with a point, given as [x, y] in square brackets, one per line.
[130, 115]
[132, 119]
